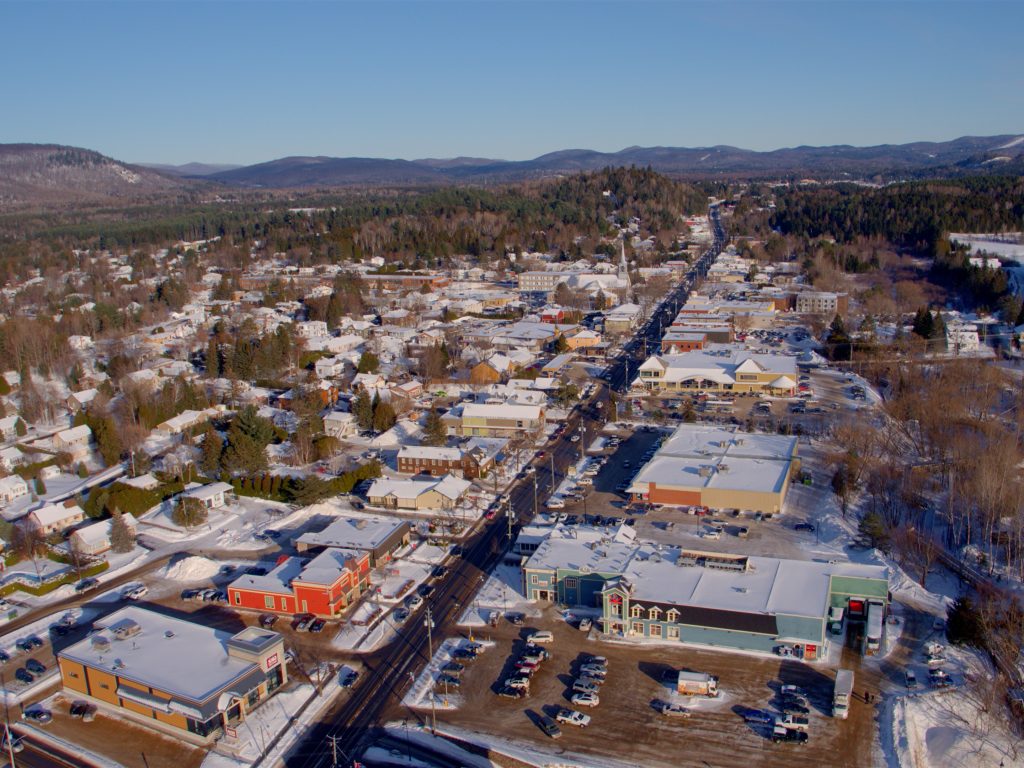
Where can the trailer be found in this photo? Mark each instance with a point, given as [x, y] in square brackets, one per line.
[697, 684]
[873, 628]
[842, 694]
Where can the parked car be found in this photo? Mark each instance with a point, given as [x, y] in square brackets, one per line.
[35, 641]
[267, 620]
[450, 680]
[401, 614]
[413, 601]
[302, 622]
[672, 710]
[347, 677]
[4, 657]
[594, 670]
[82, 710]
[759, 716]
[37, 715]
[804, 527]
[317, 625]
[86, 584]
[572, 717]
[518, 681]
[512, 693]
[585, 624]
[35, 667]
[911, 679]
[585, 699]
[515, 618]
[24, 675]
[550, 727]
[542, 636]
[782, 734]
[453, 668]
[585, 685]
[465, 653]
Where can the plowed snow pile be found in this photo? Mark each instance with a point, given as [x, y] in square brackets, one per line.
[191, 569]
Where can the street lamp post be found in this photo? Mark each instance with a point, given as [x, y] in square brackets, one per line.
[428, 622]
[535, 495]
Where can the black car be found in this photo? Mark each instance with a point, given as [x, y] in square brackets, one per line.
[85, 584]
[453, 668]
[439, 572]
[37, 715]
[268, 620]
[348, 678]
[425, 590]
[59, 630]
[550, 727]
[795, 708]
[23, 644]
[317, 625]
[78, 709]
[35, 641]
[24, 675]
[804, 527]
[190, 594]
[35, 667]
[4, 657]
[464, 653]
[515, 618]
[789, 735]
[450, 680]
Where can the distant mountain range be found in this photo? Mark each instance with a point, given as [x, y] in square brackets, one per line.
[964, 155]
[48, 173]
[191, 169]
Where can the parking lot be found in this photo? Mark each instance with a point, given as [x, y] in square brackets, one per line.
[625, 725]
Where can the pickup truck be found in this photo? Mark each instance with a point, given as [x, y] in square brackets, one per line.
[794, 722]
[781, 733]
[572, 717]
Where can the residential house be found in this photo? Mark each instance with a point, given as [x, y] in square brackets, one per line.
[9, 427]
[55, 518]
[432, 493]
[213, 495]
[12, 487]
[94, 539]
[340, 425]
[74, 441]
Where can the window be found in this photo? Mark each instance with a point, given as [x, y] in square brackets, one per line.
[636, 611]
[655, 630]
[238, 598]
[672, 615]
[638, 628]
[673, 633]
[570, 583]
[268, 602]
[533, 578]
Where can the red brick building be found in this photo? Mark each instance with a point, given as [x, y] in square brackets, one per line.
[323, 586]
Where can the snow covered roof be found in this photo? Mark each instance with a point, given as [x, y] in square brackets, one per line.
[205, 492]
[75, 434]
[186, 661]
[56, 513]
[478, 411]
[429, 452]
[365, 532]
[449, 486]
[98, 533]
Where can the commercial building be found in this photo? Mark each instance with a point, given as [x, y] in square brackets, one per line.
[623, 318]
[719, 468]
[738, 371]
[666, 594]
[323, 586]
[174, 675]
[381, 537]
[500, 420]
[425, 459]
[821, 303]
[542, 282]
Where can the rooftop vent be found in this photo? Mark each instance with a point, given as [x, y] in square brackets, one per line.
[360, 524]
[168, 634]
[101, 643]
[125, 628]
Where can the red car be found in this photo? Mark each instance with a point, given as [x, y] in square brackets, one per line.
[541, 454]
[491, 514]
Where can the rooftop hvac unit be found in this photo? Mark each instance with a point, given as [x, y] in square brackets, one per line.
[360, 524]
[723, 467]
[705, 471]
[125, 628]
[655, 557]
[101, 643]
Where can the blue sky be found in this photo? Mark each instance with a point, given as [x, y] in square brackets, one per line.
[244, 82]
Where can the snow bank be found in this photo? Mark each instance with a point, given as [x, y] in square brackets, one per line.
[191, 569]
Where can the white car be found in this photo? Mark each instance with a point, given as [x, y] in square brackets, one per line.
[572, 717]
[585, 699]
[556, 503]
[574, 439]
[136, 593]
[540, 637]
[585, 685]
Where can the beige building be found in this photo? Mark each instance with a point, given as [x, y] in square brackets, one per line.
[702, 372]
[429, 493]
[501, 420]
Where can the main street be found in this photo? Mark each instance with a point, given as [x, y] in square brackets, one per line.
[343, 731]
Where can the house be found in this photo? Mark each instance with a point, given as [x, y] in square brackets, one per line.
[425, 459]
[185, 420]
[74, 441]
[491, 370]
[9, 427]
[322, 586]
[381, 537]
[675, 342]
[432, 493]
[94, 539]
[311, 329]
[12, 457]
[325, 391]
[962, 337]
[340, 425]
[55, 518]
[172, 675]
[80, 343]
[213, 496]
[329, 367]
[740, 371]
[78, 401]
[11, 488]
[582, 339]
[495, 420]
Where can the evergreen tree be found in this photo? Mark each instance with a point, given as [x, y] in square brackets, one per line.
[189, 512]
[40, 486]
[83, 471]
[923, 323]
[212, 449]
[434, 432]
[362, 410]
[19, 427]
[383, 416]
[214, 366]
[368, 363]
[122, 535]
[248, 438]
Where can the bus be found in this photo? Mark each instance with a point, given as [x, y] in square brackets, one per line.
[873, 628]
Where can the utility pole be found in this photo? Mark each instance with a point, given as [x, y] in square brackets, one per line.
[428, 622]
[334, 751]
[534, 495]
[509, 515]
[10, 743]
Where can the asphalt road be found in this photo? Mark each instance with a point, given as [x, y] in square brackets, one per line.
[348, 727]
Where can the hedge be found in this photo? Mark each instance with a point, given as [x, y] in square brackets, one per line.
[45, 589]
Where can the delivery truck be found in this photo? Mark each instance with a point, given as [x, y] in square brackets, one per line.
[697, 684]
[843, 693]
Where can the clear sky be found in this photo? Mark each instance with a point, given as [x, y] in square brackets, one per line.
[244, 82]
